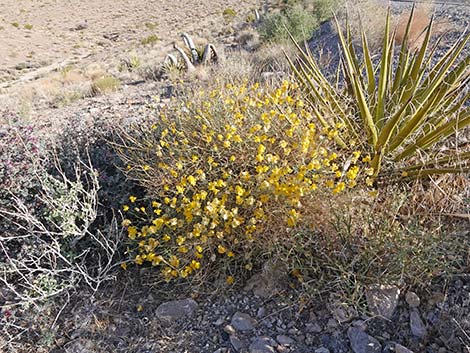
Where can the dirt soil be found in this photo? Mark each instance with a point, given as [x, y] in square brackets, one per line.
[46, 32]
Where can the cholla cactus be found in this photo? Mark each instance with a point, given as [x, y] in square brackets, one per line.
[196, 57]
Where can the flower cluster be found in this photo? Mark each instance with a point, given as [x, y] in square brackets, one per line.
[220, 172]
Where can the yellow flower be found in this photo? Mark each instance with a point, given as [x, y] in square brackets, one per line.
[174, 261]
[132, 199]
[221, 249]
[126, 222]
[230, 280]
[125, 208]
[124, 266]
[132, 232]
[195, 265]
[192, 180]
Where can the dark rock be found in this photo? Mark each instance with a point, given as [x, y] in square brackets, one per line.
[313, 327]
[169, 312]
[401, 349]
[284, 340]
[322, 350]
[417, 326]
[236, 343]
[262, 345]
[243, 322]
[361, 342]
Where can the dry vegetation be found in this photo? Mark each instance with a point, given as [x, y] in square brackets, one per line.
[256, 159]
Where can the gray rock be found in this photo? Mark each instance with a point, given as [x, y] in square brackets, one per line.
[262, 344]
[361, 342]
[401, 349]
[221, 350]
[332, 323]
[243, 322]
[219, 321]
[417, 326]
[412, 299]
[284, 340]
[169, 312]
[382, 300]
[237, 344]
[322, 350]
[313, 327]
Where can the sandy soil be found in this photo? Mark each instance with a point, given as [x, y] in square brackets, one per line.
[69, 29]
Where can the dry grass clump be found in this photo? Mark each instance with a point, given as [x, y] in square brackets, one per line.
[361, 240]
[105, 84]
[227, 176]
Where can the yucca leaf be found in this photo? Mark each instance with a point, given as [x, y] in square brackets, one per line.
[462, 121]
[435, 171]
[443, 161]
[384, 74]
[416, 70]
[404, 54]
[368, 65]
[365, 113]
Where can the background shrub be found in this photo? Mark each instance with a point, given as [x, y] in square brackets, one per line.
[300, 18]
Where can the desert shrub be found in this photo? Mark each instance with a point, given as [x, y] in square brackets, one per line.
[54, 248]
[300, 18]
[19, 152]
[150, 40]
[295, 19]
[226, 176]
[363, 241]
[229, 14]
[105, 84]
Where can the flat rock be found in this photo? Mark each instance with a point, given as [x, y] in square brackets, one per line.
[382, 300]
[236, 343]
[361, 342]
[243, 322]
[284, 340]
[262, 344]
[401, 349]
[417, 326]
[322, 350]
[313, 327]
[169, 312]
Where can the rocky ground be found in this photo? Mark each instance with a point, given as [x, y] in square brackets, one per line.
[435, 321]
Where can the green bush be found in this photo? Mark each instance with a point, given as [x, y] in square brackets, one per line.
[299, 17]
[299, 22]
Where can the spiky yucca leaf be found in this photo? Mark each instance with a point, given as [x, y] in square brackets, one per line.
[402, 108]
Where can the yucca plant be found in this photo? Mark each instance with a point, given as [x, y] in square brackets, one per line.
[403, 108]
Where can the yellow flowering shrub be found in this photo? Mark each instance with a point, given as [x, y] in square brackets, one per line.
[224, 172]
